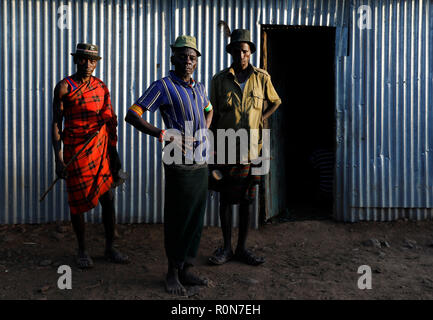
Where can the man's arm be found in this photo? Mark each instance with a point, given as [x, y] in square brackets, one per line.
[111, 119]
[60, 90]
[208, 116]
[272, 97]
[142, 125]
[271, 109]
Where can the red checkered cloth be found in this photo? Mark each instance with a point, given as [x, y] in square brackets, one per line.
[87, 110]
[239, 183]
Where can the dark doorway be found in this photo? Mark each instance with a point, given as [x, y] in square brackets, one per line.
[301, 63]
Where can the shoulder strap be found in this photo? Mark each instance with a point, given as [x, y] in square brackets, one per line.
[72, 83]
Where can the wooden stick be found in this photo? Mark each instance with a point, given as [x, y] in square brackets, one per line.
[69, 162]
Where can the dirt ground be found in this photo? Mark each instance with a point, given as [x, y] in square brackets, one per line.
[305, 259]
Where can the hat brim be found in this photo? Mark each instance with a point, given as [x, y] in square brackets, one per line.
[88, 56]
[251, 44]
[173, 48]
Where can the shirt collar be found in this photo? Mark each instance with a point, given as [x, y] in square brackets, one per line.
[252, 69]
[173, 75]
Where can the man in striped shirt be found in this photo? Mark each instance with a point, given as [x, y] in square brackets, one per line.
[184, 107]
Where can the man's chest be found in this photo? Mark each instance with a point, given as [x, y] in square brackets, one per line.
[232, 97]
[90, 100]
[185, 100]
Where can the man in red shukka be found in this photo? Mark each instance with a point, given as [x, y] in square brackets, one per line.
[83, 103]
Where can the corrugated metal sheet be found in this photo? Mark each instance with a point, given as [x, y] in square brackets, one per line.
[388, 134]
[383, 88]
[134, 38]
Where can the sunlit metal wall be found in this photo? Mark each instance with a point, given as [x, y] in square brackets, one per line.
[134, 38]
[388, 134]
[383, 90]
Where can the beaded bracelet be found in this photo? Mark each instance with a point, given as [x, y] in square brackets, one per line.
[161, 136]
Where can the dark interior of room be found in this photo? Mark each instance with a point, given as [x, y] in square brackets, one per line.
[301, 63]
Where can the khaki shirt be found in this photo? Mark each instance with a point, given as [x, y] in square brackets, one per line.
[236, 109]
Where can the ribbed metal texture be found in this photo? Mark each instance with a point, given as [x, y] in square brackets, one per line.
[388, 135]
[133, 40]
[384, 80]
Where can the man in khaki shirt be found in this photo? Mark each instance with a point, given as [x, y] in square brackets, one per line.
[238, 94]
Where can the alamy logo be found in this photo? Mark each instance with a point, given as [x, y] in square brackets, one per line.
[364, 281]
[231, 146]
[65, 280]
[364, 20]
[65, 20]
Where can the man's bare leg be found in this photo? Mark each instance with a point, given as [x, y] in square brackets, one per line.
[242, 253]
[83, 259]
[225, 253]
[245, 210]
[109, 220]
[226, 225]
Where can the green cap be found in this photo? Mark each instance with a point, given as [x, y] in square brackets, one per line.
[87, 50]
[241, 35]
[185, 41]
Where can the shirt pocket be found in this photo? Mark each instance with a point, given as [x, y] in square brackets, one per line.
[257, 99]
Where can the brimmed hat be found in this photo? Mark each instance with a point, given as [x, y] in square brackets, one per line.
[87, 50]
[241, 35]
[186, 42]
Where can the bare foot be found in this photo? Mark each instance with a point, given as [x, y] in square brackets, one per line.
[186, 277]
[173, 286]
[83, 260]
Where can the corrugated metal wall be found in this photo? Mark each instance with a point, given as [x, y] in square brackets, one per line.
[387, 124]
[383, 88]
[134, 39]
